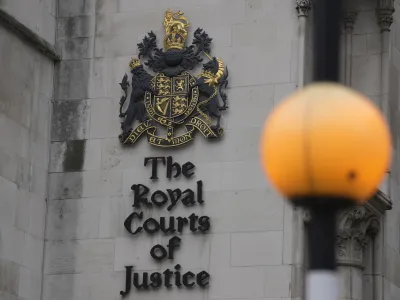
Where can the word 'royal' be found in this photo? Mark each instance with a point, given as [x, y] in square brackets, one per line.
[160, 198]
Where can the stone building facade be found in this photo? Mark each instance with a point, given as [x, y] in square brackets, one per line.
[65, 179]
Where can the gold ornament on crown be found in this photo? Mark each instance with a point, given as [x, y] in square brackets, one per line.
[134, 63]
[176, 32]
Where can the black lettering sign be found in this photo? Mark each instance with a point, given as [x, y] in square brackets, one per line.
[154, 165]
[171, 197]
[168, 278]
[137, 223]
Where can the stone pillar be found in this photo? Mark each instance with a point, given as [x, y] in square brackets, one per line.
[303, 8]
[349, 20]
[357, 226]
[385, 19]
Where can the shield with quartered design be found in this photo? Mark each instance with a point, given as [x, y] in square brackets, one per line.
[172, 100]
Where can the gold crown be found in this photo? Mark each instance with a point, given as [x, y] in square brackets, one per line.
[134, 63]
[176, 32]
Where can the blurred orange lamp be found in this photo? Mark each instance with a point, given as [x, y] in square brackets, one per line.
[324, 148]
[326, 140]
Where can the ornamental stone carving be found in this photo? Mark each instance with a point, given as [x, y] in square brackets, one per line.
[303, 7]
[385, 20]
[349, 18]
[356, 227]
[306, 214]
[385, 14]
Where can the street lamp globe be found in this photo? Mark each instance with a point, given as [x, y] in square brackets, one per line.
[326, 141]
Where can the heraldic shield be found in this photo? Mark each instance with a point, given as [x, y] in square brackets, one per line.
[174, 97]
[173, 101]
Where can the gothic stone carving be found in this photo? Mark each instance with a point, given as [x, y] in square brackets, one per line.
[385, 14]
[349, 18]
[306, 214]
[303, 7]
[357, 225]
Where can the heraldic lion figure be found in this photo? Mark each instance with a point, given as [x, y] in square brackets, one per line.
[141, 83]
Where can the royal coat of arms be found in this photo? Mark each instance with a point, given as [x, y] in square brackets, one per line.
[173, 97]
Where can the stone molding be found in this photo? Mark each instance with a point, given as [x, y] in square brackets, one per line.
[303, 7]
[29, 36]
[379, 203]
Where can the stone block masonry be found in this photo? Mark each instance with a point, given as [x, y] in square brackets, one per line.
[26, 90]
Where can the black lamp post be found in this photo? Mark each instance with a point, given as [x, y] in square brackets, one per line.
[326, 39]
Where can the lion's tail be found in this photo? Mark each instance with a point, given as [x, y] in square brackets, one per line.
[121, 105]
